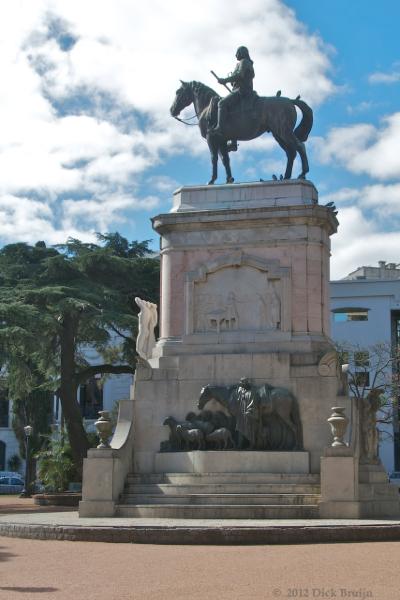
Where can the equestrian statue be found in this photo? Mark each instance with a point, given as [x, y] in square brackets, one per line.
[243, 115]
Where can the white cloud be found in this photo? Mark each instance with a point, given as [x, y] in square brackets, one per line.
[163, 183]
[85, 112]
[139, 52]
[339, 196]
[383, 199]
[360, 107]
[360, 241]
[100, 212]
[364, 148]
[368, 226]
[33, 220]
[392, 76]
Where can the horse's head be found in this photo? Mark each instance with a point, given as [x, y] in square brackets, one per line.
[205, 396]
[183, 97]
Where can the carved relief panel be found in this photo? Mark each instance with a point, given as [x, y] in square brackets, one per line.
[238, 293]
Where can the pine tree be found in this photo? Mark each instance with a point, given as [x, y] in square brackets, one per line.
[55, 302]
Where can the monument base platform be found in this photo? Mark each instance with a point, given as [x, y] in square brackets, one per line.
[232, 461]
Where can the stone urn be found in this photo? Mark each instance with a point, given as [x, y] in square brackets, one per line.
[338, 422]
[104, 428]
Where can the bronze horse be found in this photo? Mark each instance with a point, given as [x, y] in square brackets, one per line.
[275, 405]
[275, 114]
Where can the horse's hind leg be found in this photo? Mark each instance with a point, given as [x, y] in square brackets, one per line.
[299, 147]
[224, 154]
[290, 149]
[304, 160]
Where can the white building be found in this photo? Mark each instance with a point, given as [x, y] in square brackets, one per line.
[8, 442]
[365, 309]
[92, 398]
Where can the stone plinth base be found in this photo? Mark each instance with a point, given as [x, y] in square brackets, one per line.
[232, 461]
[352, 491]
[96, 508]
[245, 195]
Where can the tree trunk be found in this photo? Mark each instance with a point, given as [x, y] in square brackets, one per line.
[68, 393]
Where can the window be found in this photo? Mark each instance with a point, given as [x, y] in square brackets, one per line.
[2, 456]
[341, 315]
[4, 408]
[361, 379]
[361, 358]
[344, 357]
[91, 398]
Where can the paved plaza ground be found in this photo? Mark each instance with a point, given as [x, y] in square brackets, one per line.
[61, 570]
[32, 569]
[16, 505]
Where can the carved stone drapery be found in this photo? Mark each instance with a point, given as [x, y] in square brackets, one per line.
[148, 318]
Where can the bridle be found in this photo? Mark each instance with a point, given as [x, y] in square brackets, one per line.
[185, 121]
[189, 119]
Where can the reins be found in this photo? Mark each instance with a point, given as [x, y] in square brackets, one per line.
[185, 122]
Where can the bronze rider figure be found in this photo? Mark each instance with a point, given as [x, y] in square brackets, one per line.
[242, 87]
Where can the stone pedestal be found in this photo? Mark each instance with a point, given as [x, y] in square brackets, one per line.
[245, 274]
[239, 249]
[105, 469]
[339, 484]
[350, 490]
[232, 462]
[244, 293]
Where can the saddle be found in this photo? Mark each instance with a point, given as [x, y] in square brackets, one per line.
[248, 104]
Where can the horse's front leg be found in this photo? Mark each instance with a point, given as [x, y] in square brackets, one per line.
[224, 154]
[214, 158]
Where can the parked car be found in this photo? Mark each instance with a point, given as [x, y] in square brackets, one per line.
[10, 474]
[11, 485]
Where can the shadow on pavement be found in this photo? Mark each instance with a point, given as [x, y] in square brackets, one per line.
[4, 555]
[30, 590]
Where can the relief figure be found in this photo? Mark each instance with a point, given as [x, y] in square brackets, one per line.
[270, 309]
[220, 317]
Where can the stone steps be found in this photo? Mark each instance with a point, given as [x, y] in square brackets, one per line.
[221, 511]
[221, 488]
[221, 496]
[212, 478]
[219, 499]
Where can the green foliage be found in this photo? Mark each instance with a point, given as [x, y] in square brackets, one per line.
[55, 466]
[55, 302]
[14, 463]
[35, 409]
[93, 439]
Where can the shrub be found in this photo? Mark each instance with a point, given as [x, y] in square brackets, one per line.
[55, 465]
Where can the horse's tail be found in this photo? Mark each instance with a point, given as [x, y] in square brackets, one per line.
[304, 127]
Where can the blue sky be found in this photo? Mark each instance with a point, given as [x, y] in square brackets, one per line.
[87, 143]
